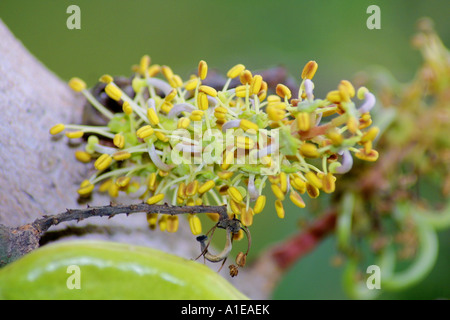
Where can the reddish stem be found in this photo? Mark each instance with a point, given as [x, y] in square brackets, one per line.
[291, 250]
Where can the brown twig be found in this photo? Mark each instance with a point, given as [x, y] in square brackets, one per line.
[16, 242]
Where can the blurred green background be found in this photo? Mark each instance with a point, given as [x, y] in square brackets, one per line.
[260, 34]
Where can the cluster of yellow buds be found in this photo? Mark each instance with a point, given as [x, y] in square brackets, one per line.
[187, 143]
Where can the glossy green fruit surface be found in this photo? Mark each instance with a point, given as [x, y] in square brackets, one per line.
[108, 270]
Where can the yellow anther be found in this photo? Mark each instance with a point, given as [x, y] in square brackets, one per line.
[152, 181]
[208, 185]
[262, 95]
[365, 121]
[213, 216]
[274, 179]
[123, 181]
[273, 98]
[235, 207]
[192, 188]
[371, 156]
[210, 91]
[172, 223]
[103, 162]
[172, 94]
[235, 71]
[74, 134]
[167, 72]
[335, 137]
[241, 91]
[152, 219]
[183, 123]
[105, 185]
[202, 101]
[228, 159]
[283, 91]
[191, 84]
[275, 114]
[181, 193]
[144, 64]
[224, 175]
[57, 129]
[298, 184]
[152, 116]
[309, 150]
[278, 105]
[346, 86]
[312, 191]
[196, 115]
[153, 70]
[367, 147]
[121, 155]
[161, 136]
[247, 125]
[156, 198]
[277, 191]
[86, 188]
[266, 161]
[283, 182]
[361, 93]
[279, 209]
[259, 204]
[202, 69]
[190, 202]
[144, 132]
[313, 179]
[328, 183]
[82, 156]
[334, 96]
[195, 224]
[246, 77]
[309, 70]
[235, 194]
[113, 190]
[352, 124]
[127, 109]
[247, 216]
[106, 78]
[162, 222]
[296, 199]
[119, 140]
[303, 121]
[370, 134]
[244, 142]
[176, 81]
[256, 84]
[221, 110]
[113, 91]
[76, 84]
[166, 107]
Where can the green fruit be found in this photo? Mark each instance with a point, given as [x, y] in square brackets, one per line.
[109, 270]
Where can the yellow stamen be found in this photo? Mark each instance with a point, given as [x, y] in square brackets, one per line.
[259, 204]
[296, 199]
[183, 123]
[235, 194]
[277, 191]
[126, 107]
[144, 132]
[208, 90]
[192, 188]
[283, 91]
[82, 156]
[235, 71]
[279, 209]
[247, 125]
[247, 216]
[195, 224]
[74, 134]
[309, 70]
[86, 188]
[113, 91]
[205, 187]
[202, 69]
[172, 223]
[152, 116]
[155, 199]
[202, 101]
[121, 155]
[103, 162]
[77, 85]
[303, 121]
[119, 141]
[123, 181]
[57, 128]
[309, 150]
[256, 84]
[152, 219]
[313, 179]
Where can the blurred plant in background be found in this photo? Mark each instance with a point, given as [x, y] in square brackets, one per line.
[385, 205]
